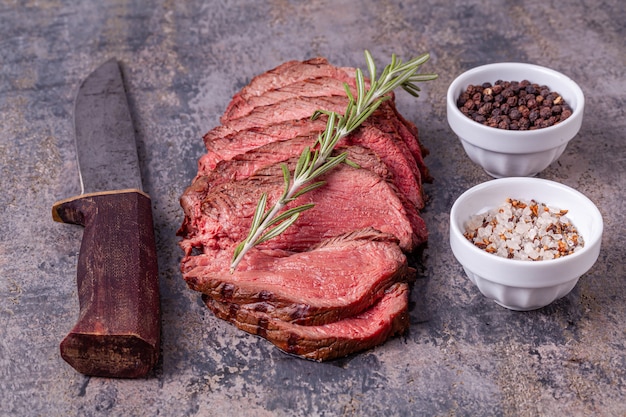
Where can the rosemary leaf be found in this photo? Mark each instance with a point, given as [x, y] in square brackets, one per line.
[272, 233]
[258, 214]
[367, 113]
[348, 93]
[237, 254]
[303, 162]
[314, 161]
[330, 164]
[286, 178]
[308, 188]
[371, 66]
[352, 164]
[360, 84]
[290, 213]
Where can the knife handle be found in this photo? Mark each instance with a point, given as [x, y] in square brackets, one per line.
[118, 329]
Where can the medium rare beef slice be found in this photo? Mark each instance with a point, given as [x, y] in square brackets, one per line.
[417, 148]
[226, 147]
[317, 79]
[285, 74]
[340, 278]
[388, 118]
[295, 108]
[388, 145]
[249, 163]
[316, 87]
[300, 108]
[394, 153]
[423, 150]
[391, 150]
[351, 199]
[363, 331]
[246, 165]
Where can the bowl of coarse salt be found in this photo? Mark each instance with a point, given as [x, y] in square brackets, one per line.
[525, 242]
[514, 119]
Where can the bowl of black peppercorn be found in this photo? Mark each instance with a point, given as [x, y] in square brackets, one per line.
[514, 119]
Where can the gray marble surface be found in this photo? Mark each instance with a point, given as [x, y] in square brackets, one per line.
[183, 60]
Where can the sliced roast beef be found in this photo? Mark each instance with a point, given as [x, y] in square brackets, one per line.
[351, 199]
[314, 87]
[285, 74]
[329, 81]
[247, 164]
[295, 108]
[335, 282]
[386, 318]
[338, 279]
[299, 108]
[229, 147]
[388, 146]
[388, 118]
[395, 154]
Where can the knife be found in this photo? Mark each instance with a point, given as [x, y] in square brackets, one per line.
[117, 333]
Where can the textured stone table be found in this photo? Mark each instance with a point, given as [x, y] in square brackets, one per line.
[183, 60]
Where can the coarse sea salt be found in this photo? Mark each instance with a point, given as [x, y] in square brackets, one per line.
[525, 230]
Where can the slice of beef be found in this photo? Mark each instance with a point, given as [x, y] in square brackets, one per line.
[390, 121]
[420, 151]
[295, 108]
[351, 199]
[230, 147]
[289, 119]
[329, 82]
[340, 278]
[363, 331]
[393, 152]
[246, 165]
[222, 139]
[388, 146]
[285, 74]
[313, 87]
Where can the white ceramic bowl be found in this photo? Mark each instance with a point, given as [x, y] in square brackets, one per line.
[520, 284]
[510, 153]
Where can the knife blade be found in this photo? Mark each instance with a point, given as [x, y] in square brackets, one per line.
[117, 333]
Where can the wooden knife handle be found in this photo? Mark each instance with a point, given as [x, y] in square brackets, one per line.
[118, 329]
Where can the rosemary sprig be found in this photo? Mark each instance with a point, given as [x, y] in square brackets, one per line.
[316, 161]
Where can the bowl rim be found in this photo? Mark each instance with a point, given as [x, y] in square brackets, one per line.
[592, 242]
[461, 82]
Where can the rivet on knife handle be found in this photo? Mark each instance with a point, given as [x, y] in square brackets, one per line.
[118, 329]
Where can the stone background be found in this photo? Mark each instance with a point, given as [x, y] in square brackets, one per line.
[182, 61]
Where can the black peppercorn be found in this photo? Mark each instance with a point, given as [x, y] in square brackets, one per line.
[512, 101]
[524, 123]
[513, 105]
[524, 111]
[479, 118]
[485, 109]
[545, 112]
[515, 114]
